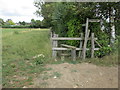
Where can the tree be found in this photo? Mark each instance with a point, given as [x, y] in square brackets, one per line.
[110, 11]
[9, 22]
[1, 22]
[35, 23]
[22, 23]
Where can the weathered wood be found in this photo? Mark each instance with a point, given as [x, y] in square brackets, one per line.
[63, 56]
[73, 51]
[98, 44]
[92, 45]
[94, 20]
[73, 54]
[66, 38]
[56, 42]
[60, 49]
[54, 52]
[85, 40]
[81, 43]
[85, 44]
[68, 46]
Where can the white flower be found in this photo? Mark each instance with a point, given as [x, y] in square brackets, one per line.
[40, 55]
[24, 87]
[55, 77]
[34, 57]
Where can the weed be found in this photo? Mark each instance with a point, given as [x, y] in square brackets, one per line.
[16, 32]
[57, 74]
[73, 70]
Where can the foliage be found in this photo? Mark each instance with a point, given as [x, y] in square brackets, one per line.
[66, 19]
[39, 59]
[9, 22]
[16, 26]
[35, 23]
[22, 23]
[1, 22]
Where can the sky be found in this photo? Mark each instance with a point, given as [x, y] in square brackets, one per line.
[18, 10]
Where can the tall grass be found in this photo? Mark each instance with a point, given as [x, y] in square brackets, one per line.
[18, 51]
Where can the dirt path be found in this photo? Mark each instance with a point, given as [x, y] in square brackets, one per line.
[77, 76]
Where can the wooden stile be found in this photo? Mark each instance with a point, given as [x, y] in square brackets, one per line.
[83, 43]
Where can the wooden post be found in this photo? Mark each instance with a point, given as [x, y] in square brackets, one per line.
[56, 41]
[81, 43]
[85, 40]
[55, 44]
[92, 45]
[73, 54]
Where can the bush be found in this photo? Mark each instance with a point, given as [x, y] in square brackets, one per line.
[15, 26]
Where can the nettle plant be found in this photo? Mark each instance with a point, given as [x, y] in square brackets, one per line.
[39, 59]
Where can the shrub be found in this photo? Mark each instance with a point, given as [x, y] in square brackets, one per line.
[39, 59]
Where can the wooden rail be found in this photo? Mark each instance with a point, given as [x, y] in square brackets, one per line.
[60, 49]
[68, 46]
[67, 38]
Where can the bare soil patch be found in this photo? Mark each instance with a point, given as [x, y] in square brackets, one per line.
[77, 76]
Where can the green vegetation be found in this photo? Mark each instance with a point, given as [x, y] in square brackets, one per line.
[19, 48]
[66, 19]
[25, 52]
[33, 24]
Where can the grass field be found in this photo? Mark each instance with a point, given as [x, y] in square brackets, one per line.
[20, 47]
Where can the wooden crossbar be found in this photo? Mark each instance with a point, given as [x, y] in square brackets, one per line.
[68, 46]
[60, 49]
[66, 38]
[94, 20]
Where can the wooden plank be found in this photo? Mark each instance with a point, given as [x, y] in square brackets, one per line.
[92, 45]
[81, 43]
[94, 20]
[85, 40]
[98, 44]
[60, 49]
[67, 38]
[68, 46]
[84, 53]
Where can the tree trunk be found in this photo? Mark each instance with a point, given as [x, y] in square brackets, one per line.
[112, 40]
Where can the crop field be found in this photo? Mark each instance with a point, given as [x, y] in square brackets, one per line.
[27, 63]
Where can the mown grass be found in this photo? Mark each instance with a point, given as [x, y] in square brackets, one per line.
[18, 50]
